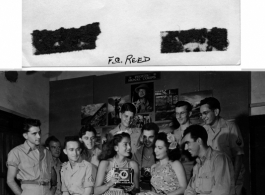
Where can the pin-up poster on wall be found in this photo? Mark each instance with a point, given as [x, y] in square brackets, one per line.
[131, 33]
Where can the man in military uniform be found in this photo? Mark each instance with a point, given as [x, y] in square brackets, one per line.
[54, 145]
[144, 156]
[224, 136]
[31, 164]
[213, 172]
[183, 112]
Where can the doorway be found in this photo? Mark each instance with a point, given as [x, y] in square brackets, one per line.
[10, 136]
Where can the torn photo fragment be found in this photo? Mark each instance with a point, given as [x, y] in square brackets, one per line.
[65, 40]
[194, 40]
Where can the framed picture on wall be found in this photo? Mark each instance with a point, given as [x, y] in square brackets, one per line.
[142, 97]
[114, 107]
[165, 101]
[140, 119]
[94, 114]
[194, 99]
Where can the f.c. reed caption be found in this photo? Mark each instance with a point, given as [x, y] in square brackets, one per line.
[130, 59]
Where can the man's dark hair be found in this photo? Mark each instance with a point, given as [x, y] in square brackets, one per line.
[28, 123]
[184, 103]
[71, 139]
[197, 131]
[212, 102]
[51, 139]
[128, 107]
[150, 126]
[86, 128]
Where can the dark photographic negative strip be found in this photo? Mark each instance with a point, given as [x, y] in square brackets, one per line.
[194, 40]
[65, 40]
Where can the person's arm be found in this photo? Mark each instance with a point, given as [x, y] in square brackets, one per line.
[100, 187]
[53, 181]
[179, 170]
[223, 174]
[237, 148]
[63, 187]
[88, 191]
[238, 164]
[191, 186]
[11, 174]
[89, 181]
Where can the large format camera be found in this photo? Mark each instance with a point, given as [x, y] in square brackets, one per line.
[145, 174]
[125, 176]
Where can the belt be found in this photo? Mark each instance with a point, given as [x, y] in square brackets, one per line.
[43, 183]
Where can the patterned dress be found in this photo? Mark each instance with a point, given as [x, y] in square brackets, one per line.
[164, 179]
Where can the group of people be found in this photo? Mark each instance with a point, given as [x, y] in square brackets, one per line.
[193, 159]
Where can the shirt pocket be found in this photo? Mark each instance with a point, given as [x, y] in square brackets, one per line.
[32, 169]
[207, 182]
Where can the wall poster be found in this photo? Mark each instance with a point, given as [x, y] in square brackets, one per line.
[142, 97]
[140, 119]
[94, 114]
[114, 107]
[165, 101]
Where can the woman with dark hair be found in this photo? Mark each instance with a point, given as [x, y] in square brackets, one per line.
[115, 158]
[168, 175]
[90, 152]
[127, 114]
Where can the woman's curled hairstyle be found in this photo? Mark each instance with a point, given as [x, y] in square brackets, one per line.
[108, 148]
[173, 154]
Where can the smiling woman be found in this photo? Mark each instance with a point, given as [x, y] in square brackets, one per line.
[117, 174]
[168, 175]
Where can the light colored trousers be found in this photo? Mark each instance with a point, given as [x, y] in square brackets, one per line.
[33, 189]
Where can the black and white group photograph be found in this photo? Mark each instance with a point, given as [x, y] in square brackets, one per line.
[132, 97]
[72, 132]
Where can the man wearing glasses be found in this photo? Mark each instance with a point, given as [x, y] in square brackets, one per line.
[213, 172]
[183, 113]
[224, 136]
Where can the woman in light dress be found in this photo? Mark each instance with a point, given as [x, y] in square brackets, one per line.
[115, 156]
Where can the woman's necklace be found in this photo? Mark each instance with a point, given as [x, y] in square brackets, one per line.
[121, 164]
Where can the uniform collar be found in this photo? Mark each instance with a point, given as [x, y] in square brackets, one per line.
[81, 163]
[129, 130]
[207, 155]
[95, 151]
[57, 161]
[222, 123]
[27, 149]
